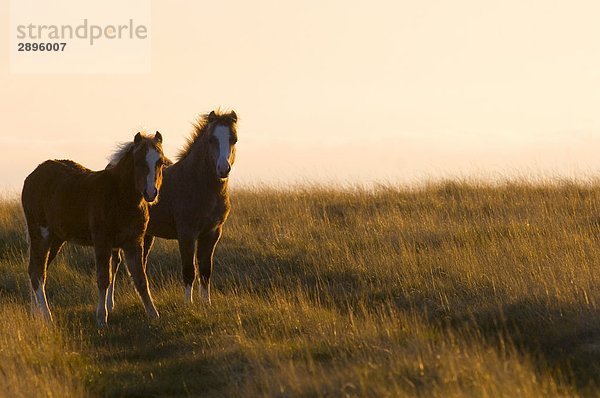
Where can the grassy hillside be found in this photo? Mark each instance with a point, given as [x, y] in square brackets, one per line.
[448, 290]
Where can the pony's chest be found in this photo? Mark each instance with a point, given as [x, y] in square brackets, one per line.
[218, 212]
[211, 216]
[131, 227]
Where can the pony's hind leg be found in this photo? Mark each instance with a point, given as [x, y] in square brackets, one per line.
[55, 246]
[134, 260]
[38, 294]
[115, 262]
[187, 249]
[39, 247]
[103, 270]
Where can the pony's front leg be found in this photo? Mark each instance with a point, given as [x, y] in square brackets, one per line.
[148, 242]
[134, 259]
[204, 257]
[187, 249]
[103, 272]
[38, 263]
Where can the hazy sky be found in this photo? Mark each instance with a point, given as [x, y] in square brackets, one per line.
[336, 90]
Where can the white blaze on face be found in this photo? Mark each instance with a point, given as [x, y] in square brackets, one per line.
[45, 232]
[151, 158]
[222, 134]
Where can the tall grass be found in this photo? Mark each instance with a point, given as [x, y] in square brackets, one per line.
[450, 289]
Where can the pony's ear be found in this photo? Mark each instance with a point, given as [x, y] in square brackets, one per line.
[212, 116]
[158, 137]
[137, 138]
[233, 116]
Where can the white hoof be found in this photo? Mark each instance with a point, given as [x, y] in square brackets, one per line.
[189, 296]
[205, 293]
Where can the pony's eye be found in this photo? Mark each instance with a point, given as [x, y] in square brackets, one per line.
[160, 162]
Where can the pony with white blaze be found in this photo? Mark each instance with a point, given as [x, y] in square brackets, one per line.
[66, 202]
[194, 201]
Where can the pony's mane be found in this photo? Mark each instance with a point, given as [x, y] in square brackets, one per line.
[121, 151]
[200, 126]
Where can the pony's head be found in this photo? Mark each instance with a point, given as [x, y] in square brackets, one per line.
[148, 161]
[222, 137]
[213, 143]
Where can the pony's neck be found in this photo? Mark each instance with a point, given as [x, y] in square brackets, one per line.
[201, 169]
[126, 180]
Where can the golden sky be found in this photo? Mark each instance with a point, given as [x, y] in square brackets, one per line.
[336, 91]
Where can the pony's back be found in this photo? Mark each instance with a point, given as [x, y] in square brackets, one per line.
[76, 167]
[50, 177]
[57, 195]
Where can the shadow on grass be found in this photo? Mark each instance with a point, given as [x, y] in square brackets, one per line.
[140, 358]
[562, 339]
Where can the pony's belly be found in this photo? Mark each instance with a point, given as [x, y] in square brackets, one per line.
[165, 233]
[161, 223]
[84, 239]
[120, 242]
[71, 233]
[81, 241]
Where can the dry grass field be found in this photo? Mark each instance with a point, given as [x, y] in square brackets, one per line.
[445, 290]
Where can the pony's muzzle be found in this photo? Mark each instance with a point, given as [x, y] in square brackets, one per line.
[223, 170]
[150, 194]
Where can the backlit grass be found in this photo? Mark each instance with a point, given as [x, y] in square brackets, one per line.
[450, 289]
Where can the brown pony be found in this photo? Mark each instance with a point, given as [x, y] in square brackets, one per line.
[64, 201]
[194, 201]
